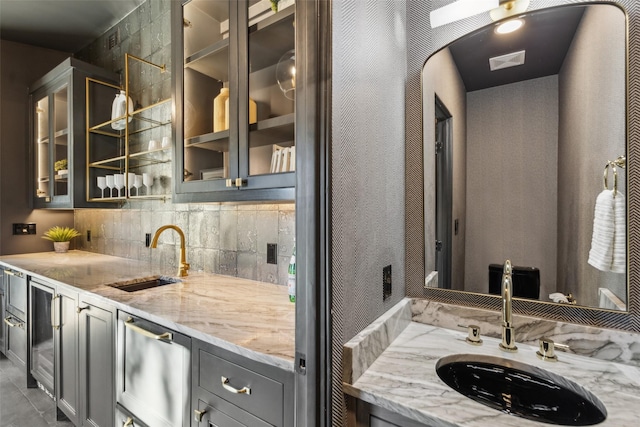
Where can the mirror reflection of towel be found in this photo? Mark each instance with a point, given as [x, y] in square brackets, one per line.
[608, 251]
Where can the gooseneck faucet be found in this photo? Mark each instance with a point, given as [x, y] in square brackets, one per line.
[184, 265]
[508, 331]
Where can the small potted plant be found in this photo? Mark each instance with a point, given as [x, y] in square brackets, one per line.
[61, 166]
[61, 237]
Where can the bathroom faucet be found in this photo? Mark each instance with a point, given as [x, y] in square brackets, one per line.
[508, 339]
[184, 265]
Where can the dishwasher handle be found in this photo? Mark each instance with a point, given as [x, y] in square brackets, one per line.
[166, 336]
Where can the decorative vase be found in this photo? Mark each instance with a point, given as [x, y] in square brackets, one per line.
[220, 105]
[61, 247]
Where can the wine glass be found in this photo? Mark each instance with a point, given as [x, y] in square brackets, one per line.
[119, 182]
[147, 180]
[102, 184]
[110, 183]
[138, 183]
[131, 178]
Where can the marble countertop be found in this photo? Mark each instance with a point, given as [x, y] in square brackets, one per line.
[403, 379]
[251, 318]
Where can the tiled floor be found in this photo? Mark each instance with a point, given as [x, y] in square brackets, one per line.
[21, 406]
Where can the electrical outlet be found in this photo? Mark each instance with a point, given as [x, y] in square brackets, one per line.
[272, 253]
[386, 282]
[88, 235]
[20, 229]
[147, 239]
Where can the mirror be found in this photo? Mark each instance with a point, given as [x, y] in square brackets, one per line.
[515, 158]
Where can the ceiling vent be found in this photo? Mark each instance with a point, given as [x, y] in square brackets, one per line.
[506, 61]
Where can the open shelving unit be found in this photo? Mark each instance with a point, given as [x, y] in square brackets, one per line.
[127, 151]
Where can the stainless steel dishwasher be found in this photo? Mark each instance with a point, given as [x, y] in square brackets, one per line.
[153, 372]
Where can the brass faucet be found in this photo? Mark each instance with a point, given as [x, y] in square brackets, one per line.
[184, 265]
[508, 331]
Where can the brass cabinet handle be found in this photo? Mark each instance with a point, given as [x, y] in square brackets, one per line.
[14, 273]
[167, 336]
[225, 384]
[53, 312]
[128, 423]
[10, 323]
[79, 309]
[197, 415]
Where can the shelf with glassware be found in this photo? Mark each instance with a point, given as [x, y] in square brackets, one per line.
[129, 154]
[229, 78]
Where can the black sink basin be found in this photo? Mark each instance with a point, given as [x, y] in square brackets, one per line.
[520, 389]
[144, 283]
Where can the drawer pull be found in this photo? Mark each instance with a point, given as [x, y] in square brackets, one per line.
[13, 273]
[11, 324]
[198, 415]
[225, 384]
[79, 309]
[128, 423]
[167, 336]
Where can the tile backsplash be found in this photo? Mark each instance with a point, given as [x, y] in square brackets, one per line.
[220, 238]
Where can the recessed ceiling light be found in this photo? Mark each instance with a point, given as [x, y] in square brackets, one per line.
[509, 26]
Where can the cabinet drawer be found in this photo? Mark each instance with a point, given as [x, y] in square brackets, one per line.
[16, 340]
[209, 416]
[16, 293]
[249, 390]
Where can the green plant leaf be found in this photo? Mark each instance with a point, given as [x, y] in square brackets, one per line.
[60, 234]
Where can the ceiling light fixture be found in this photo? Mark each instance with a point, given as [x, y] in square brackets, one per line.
[509, 26]
[461, 9]
[509, 8]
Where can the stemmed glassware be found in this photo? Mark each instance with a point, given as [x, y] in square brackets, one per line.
[102, 184]
[131, 179]
[147, 180]
[110, 183]
[138, 183]
[119, 182]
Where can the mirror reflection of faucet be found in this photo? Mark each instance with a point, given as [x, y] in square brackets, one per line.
[184, 265]
[508, 331]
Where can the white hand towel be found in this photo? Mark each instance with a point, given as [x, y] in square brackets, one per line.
[619, 261]
[601, 253]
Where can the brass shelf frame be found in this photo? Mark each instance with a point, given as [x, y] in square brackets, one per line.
[141, 158]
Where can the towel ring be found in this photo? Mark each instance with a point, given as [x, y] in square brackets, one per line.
[615, 177]
[621, 162]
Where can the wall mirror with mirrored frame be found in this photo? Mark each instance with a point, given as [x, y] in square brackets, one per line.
[519, 132]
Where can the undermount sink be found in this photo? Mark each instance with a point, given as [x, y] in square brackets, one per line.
[520, 389]
[143, 283]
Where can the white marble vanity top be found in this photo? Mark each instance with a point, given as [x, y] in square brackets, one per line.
[251, 318]
[403, 379]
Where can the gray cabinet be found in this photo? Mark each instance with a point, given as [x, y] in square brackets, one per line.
[54, 344]
[3, 326]
[96, 341]
[58, 120]
[230, 390]
[152, 372]
[72, 350]
[15, 317]
[242, 149]
[363, 414]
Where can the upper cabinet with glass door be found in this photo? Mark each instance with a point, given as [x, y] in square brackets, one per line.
[57, 135]
[234, 76]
